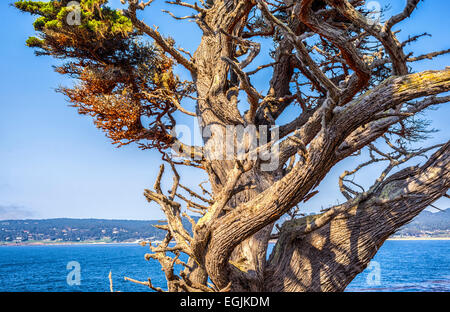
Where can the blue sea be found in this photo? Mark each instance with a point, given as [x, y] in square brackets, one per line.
[398, 266]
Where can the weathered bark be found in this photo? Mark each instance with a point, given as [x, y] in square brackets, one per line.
[275, 201]
[217, 110]
[230, 247]
[326, 252]
[241, 236]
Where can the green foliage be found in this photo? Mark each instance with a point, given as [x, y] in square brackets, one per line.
[91, 20]
[121, 78]
[34, 42]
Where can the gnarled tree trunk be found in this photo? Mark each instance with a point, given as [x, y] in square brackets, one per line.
[326, 252]
[353, 96]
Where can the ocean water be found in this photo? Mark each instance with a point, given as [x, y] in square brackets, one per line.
[407, 266]
[398, 266]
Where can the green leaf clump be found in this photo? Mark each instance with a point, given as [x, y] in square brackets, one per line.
[86, 20]
[121, 79]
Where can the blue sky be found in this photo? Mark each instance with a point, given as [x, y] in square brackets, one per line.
[55, 163]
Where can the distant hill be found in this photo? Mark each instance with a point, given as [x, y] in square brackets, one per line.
[96, 230]
[79, 230]
[428, 224]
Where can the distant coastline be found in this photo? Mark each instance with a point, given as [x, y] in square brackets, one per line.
[74, 232]
[10, 244]
[78, 243]
[43, 243]
[418, 238]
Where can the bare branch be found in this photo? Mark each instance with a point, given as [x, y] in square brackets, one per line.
[155, 35]
[428, 56]
[253, 95]
[410, 6]
[148, 284]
